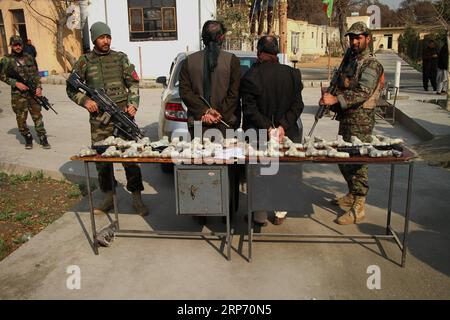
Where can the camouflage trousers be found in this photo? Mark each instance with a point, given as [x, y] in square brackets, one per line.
[359, 123]
[104, 170]
[21, 105]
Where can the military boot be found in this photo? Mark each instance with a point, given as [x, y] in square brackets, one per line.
[44, 142]
[107, 204]
[28, 141]
[138, 205]
[355, 213]
[344, 201]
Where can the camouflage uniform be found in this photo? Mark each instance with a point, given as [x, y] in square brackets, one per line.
[22, 102]
[116, 75]
[358, 91]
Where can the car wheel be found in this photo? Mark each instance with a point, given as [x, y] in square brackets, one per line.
[167, 167]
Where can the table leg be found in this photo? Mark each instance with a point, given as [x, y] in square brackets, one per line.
[407, 212]
[91, 207]
[113, 183]
[391, 190]
[228, 237]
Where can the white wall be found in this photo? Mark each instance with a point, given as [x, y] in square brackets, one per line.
[156, 55]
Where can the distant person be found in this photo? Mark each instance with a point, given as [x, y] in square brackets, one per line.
[21, 101]
[442, 74]
[429, 65]
[30, 49]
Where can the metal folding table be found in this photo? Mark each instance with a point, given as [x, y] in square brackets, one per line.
[280, 193]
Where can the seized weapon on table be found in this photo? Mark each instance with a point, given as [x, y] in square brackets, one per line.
[337, 74]
[124, 124]
[211, 108]
[373, 151]
[41, 100]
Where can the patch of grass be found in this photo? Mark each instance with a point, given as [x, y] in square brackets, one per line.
[42, 212]
[27, 222]
[3, 248]
[18, 178]
[39, 176]
[5, 214]
[20, 216]
[3, 177]
[74, 192]
[83, 188]
[19, 240]
[28, 176]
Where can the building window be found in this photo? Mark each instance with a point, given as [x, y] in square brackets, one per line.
[19, 26]
[295, 37]
[3, 43]
[303, 35]
[152, 20]
[312, 35]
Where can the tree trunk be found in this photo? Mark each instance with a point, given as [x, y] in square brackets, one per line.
[341, 13]
[60, 43]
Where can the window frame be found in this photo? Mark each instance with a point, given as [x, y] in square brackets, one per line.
[165, 27]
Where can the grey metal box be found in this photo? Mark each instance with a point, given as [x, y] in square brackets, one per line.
[202, 190]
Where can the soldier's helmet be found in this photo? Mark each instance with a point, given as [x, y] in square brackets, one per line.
[14, 40]
[359, 28]
[98, 29]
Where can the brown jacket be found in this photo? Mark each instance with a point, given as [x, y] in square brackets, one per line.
[224, 88]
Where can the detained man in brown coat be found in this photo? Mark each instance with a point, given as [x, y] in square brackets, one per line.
[209, 87]
[212, 75]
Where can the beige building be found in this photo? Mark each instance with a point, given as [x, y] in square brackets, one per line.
[386, 37]
[307, 39]
[36, 20]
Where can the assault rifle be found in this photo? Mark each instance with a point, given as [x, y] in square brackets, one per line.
[356, 151]
[124, 125]
[41, 100]
[337, 74]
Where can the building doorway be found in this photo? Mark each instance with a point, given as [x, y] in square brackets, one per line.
[389, 40]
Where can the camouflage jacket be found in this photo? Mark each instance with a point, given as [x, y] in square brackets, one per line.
[360, 78]
[25, 65]
[112, 71]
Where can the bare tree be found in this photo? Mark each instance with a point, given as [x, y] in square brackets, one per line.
[56, 24]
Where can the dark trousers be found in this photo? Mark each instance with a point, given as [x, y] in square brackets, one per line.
[429, 74]
[132, 172]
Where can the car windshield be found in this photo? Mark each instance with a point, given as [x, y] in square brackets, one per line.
[246, 63]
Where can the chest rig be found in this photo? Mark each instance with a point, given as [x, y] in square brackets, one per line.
[106, 71]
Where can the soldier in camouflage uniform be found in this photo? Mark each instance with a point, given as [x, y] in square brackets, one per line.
[355, 102]
[21, 101]
[112, 71]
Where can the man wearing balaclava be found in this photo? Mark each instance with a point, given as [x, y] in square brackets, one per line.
[213, 75]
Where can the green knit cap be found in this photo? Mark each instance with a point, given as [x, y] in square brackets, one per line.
[15, 39]
[98, 29]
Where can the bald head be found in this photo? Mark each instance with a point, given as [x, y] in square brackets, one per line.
[268, 44]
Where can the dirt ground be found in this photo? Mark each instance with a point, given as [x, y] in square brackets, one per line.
[28, 204]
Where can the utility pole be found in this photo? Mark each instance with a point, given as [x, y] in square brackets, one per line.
[283, 25]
